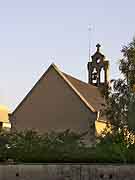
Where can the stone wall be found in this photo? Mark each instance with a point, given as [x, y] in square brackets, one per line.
[67, 172]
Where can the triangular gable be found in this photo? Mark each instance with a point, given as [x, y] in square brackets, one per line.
[69, 80]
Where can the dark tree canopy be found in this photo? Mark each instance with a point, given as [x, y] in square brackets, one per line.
[120, 109]
[127, 63]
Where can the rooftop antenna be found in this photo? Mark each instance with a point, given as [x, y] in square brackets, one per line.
[89, 38]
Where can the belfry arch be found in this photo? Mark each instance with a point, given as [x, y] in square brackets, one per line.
[100, 77]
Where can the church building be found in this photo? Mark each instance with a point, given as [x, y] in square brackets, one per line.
[59, 101]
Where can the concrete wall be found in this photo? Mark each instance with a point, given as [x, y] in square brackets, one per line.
[67, 172]
[53, 106]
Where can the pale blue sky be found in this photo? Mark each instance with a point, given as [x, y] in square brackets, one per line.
[35, 33]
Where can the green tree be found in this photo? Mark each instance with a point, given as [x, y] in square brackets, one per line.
[127, 64]
[120, 109]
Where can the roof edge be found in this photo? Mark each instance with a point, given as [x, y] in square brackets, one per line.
[65, 79]
[18, 106]
[73, 88]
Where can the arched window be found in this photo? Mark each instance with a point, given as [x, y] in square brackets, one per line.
[102, 76]
[98, 60]
[94, 76]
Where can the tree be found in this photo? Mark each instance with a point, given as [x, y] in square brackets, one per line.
[120, 109]
[127, 64]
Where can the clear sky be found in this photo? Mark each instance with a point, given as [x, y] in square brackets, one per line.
[35, 33]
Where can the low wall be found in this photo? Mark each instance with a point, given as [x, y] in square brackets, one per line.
[67, 172]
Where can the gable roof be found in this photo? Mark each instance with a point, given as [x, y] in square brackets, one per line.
[88, 94]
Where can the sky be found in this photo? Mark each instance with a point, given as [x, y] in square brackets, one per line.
[35, 33]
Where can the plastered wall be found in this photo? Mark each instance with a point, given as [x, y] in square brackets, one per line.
[67, 172]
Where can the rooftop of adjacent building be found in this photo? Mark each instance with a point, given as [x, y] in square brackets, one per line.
[4, 113]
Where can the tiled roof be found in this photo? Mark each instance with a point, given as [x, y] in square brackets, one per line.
[91, 93]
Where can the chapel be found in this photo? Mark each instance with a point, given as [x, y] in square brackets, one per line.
[59, 101]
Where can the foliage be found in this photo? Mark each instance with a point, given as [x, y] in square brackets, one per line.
[3, 145]
[127, 63]
[120, 109]
[119, 144]
[31, 147]
[117, 105]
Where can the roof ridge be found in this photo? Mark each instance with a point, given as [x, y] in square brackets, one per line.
[63, 75]
[80, 80]
[74, 88]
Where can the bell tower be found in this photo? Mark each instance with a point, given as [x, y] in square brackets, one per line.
[98, 69]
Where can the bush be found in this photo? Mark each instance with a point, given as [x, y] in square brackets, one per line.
[57, 147]
[31, 147]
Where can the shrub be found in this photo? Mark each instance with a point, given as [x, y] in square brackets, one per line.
[31, 147]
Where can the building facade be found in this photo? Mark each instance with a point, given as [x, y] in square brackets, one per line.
[59, 102]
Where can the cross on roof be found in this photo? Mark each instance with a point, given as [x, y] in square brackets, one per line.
[98, 47]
